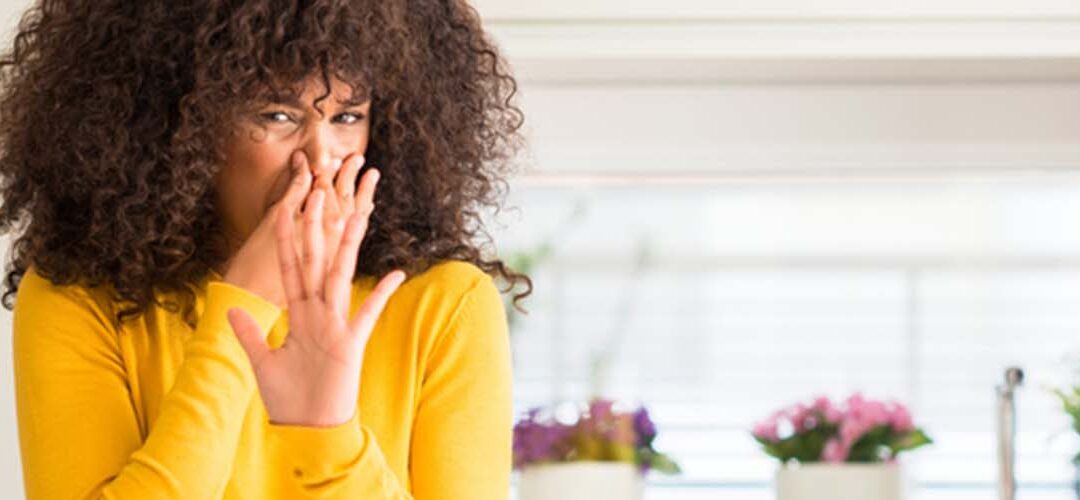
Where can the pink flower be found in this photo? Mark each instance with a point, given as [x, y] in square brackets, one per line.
[873, 413]
[831, 413]
[876, 414]
[855, 401]
[900, 419]
[600, 408]
[802, 418]
[835, 451]
[841, 426]
[853, 429]
[767, 430]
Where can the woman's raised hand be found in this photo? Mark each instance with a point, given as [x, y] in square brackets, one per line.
[254, 265]
[313, 379]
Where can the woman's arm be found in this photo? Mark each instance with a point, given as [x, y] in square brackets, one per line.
[461, 447]
[78, 432]
[461, 443]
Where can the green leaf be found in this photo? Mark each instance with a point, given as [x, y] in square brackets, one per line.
[662, 463]
[803, 447]
[909, 441]
[870, 447]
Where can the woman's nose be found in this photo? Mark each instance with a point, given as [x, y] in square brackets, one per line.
[325, 168]
[322, 157]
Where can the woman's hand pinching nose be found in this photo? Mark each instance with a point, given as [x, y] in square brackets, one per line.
[248, 268]
[313, 379]
[340, 202]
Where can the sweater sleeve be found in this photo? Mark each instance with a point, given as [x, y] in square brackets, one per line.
[78, 432]
[461, 442]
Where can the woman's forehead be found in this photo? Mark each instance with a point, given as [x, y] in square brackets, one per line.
[315, 87]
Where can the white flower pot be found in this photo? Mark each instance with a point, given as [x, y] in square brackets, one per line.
[581, 481]
[817, 481]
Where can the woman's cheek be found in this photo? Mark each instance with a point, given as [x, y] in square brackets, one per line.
[278, 186]
[258, 178]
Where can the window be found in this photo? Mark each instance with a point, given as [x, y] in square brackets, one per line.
[754, 296]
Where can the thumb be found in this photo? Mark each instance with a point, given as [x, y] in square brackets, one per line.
[250, 336]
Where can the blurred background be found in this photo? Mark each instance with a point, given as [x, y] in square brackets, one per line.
[742, 205]
[732, 206]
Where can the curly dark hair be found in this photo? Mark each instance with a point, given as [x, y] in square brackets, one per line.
[113, 115]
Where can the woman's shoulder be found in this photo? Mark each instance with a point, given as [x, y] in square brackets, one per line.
[451, 274]
[448, 287]
[36, 289]
[39, 300]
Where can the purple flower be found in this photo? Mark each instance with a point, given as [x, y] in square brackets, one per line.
[644, 426]
[540, 441]
[599, 433]
[600, 409]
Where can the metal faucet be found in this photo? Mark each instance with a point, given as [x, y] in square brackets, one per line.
[1006, 430]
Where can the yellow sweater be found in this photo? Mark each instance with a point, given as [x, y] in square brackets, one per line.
[157, 410]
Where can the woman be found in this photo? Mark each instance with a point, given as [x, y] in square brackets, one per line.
[215, 206]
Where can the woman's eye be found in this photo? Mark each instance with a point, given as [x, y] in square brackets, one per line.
[350, 118]
[282, 117]
[275, 116]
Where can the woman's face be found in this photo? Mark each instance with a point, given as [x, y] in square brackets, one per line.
[256, 171]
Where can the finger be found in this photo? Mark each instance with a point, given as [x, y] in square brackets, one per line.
[325, 175]
[365, 196]
[301, 182]
[249, 335]
[299, 189]
[313, 243]
[339, 284]
[291, 278]
[333, 218]
[331, 208]
[364, 320]
[346, 181]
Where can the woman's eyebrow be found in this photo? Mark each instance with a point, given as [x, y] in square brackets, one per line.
[293, 101]
[286, 100]
[354, 101]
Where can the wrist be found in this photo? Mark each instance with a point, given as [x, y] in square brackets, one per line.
[257, 287]
[320, 422]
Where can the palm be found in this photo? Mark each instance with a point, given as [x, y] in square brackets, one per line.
[314, 377]
[317, 330]
[319, 347]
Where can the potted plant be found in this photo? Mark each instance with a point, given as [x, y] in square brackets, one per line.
[603, 453]
[839, 452]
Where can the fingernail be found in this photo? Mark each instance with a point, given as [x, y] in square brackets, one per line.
[359, 161]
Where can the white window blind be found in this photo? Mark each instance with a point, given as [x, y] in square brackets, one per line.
[761, 295]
